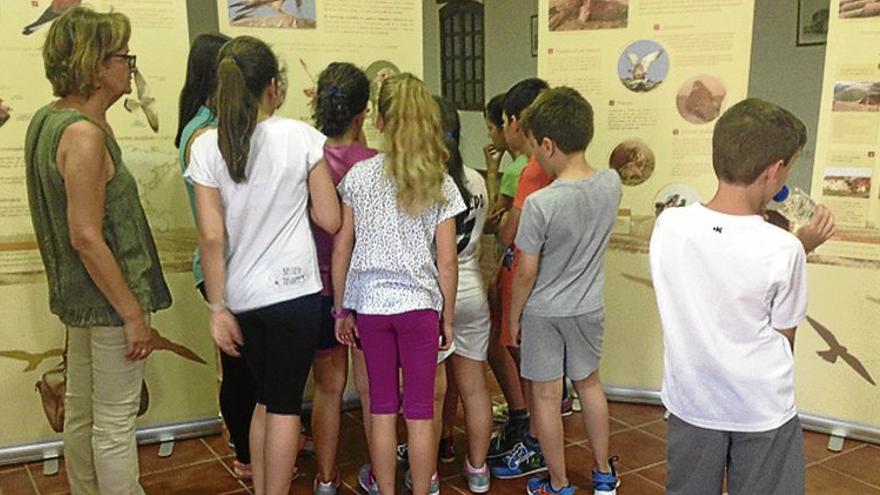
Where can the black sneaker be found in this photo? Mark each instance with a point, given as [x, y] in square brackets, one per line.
[504, 441]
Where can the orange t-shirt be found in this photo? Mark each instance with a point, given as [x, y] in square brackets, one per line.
[532, 179]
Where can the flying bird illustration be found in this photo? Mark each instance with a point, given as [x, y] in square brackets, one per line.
[56, 8]
[647, 282]
[640, 66]
[33, 359]
[144, 101]
[312, 91]
[160, 343]
[838, 351]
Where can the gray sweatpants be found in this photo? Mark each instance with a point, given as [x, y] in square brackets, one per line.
[766, 463]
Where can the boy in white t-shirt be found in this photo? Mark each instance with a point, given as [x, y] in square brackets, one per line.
[731, 290]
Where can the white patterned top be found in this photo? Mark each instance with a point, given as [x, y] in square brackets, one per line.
[393, 267]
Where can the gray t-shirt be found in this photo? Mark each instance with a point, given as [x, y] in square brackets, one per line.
[568, 224]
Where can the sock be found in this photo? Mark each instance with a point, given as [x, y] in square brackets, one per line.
[518, 414]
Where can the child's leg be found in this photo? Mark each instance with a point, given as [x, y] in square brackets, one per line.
[450, 399]
[696, 458]
[330, 373]
[441, 396]
[768, 462]
[362, 384]
[418, 335]
[595, 417]
[257, 443]
[380, 344]
[548, 423]
[471, 380]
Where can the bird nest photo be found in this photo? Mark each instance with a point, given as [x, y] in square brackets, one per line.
[700, 98]
[634, 162]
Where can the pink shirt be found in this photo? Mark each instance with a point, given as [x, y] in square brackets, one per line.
[340, 159]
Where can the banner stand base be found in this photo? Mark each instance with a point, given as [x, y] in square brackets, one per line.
[52, 450]
[839, 429]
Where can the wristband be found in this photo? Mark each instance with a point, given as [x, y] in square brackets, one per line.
[338, 315]
[217, 306]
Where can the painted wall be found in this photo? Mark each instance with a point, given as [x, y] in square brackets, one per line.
[787, 74]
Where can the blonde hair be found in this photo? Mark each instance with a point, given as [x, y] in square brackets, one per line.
[76, 43]
[415, 154]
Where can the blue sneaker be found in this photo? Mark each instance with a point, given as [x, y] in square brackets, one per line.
[606, 483]
[542, 486]
[523, 460]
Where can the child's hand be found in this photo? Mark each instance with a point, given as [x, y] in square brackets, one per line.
[446, 328]
[346, 330]
[226, 333]
[493, 157]
[820, 228]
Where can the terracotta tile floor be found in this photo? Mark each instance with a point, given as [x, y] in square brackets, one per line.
[203, 466]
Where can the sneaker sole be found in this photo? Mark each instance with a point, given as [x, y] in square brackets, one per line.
[479, 489]
[519, 475]
[447, 460]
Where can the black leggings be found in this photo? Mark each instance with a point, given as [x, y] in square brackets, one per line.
[237, 400]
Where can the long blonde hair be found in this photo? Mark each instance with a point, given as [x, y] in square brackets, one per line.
[415, 154]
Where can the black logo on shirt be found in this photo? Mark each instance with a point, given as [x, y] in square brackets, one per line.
[717, 229]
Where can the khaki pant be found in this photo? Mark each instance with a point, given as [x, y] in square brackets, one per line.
[100, 407]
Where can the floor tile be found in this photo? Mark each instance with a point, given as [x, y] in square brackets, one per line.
[816, 446]
[633, 484]
[207, 477]
[49, 484]
[634, 414]
[574, 428]
[219, 445]
[821, 480]
[637, 449]
[657, 428]
[15, 481]
[185, 453]
[862, 463]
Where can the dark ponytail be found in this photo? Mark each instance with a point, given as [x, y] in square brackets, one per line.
[247, 65]
[201, 78]
[455, 165]
[343, 93]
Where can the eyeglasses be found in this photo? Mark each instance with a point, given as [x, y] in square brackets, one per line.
[130, 58]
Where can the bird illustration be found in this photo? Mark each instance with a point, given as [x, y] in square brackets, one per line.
[144, 101]
[4, 113]
[246, 8]
[56, 8]
[312, 91]
[160, 343]
[647, 282]
[33, 359]
[838, 351]
[701, 103]
[640, 65]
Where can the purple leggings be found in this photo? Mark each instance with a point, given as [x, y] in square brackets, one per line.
[407, 340]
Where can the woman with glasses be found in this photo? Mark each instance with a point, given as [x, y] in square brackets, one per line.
[103, 272]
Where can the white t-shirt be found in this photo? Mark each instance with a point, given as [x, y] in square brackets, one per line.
[470, 279]
[725, 284]
[392, 268]
[270, 255]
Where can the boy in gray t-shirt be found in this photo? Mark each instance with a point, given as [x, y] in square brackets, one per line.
[557, 287]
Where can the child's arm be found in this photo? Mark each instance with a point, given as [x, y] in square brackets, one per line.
[343, 245]
[447, 267]
[523, 281]
[323, 201]
[788, 333]
[818, 230]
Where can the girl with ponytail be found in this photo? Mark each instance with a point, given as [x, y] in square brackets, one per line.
[258, 178]
[395, 265]
[339, 111]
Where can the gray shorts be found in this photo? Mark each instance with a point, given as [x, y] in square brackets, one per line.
[557, 346]
[767, 462]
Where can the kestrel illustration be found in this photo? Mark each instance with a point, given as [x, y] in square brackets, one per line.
[32, 359]
[56, 8]
[144, 101]
[838, 351]
[640, 66]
